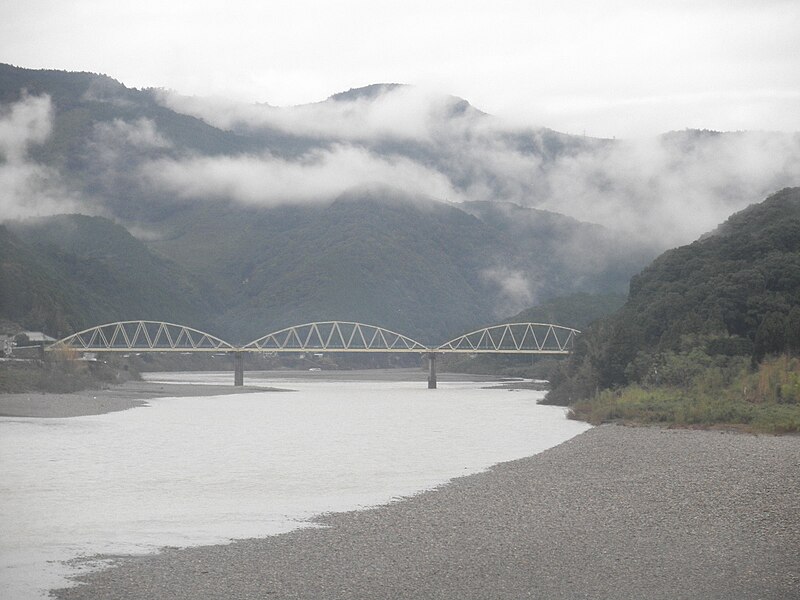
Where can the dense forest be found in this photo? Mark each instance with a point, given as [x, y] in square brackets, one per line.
[699, 318]
[64, 273]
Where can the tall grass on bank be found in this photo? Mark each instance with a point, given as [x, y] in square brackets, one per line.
[766, 400]
[60, 374]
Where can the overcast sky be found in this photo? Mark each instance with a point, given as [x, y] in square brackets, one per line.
[607, 68]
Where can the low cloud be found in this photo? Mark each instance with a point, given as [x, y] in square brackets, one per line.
[319, 176]
[667, 190]
[675, 187]
[396, 112]
[27, 188]
[24, 123]
[514, 291]
[141, 133]
[115, 147]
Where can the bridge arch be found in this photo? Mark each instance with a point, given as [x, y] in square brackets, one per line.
[142, 336]
[515, 338]
[335, 336]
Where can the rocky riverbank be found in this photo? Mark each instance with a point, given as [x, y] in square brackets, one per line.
[616, 512]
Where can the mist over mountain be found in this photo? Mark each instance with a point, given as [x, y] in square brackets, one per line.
[667, 189]
[384, 204]
[732, 293]
[122, 145]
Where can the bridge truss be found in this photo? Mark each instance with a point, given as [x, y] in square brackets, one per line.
[514, 338]
[324, 336]
[335, 336]
[142, 336]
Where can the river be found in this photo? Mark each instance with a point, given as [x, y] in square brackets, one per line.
[206, 470]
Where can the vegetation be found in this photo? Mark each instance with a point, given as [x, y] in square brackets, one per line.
[765, 400]
[411, 265]
[577, 310]
[62, 274]
[429, 269]
[695, 342]
[62, 374]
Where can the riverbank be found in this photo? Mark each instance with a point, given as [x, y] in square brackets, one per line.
[616, 512]
[124, 396]
[132, 394]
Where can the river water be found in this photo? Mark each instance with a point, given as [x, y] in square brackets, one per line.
[205, 470]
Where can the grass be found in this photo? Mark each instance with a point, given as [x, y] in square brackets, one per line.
[763, 401]
[59, 376]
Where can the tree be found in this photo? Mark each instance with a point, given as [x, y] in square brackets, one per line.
[770, 336]
[793, 331]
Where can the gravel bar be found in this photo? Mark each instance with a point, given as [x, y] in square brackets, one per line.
[124, 396]
[616, 512]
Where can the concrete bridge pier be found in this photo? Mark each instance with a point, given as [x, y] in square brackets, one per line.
[432, 371]
[238, 369]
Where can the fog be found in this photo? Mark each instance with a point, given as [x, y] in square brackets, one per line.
[670, 188]
[515, 291]
[667, 190]
[27, 187]
[401, 112]
[675, 187]
[316, 177]
[607, 68]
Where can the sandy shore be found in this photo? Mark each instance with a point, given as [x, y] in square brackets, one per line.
[614, 513]
[94, 402]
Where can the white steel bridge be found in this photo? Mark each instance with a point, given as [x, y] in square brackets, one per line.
[323, 336]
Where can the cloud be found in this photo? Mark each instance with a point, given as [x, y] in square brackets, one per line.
[318, 176]
[116, 146]
[399, 112]
[142, 134]
[515, 292]
[24, 123]
[27, 188]
[673, 188]
[666, 190]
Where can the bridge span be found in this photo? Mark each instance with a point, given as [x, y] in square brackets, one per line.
[321, 336]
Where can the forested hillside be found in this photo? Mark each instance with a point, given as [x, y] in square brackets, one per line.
[62, 274]
[390, 253]
[579, 310]
[702, 314]
[384, 204]
[414, 265]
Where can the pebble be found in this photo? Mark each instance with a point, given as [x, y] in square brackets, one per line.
[616, 512]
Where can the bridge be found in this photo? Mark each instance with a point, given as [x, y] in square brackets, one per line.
[323, 336]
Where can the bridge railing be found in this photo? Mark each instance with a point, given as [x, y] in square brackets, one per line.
[335, 336]
[148, 336]
[514, 338]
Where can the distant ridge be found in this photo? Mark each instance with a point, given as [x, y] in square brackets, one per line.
[419, 213]
[368, 92]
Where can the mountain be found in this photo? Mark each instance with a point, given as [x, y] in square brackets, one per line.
[414, 265]
[376, 255]
[579, 310]
[64, 273]
[385, 204]
[141, 153]
[735, 292]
